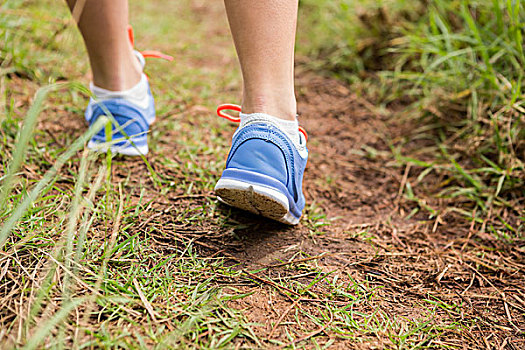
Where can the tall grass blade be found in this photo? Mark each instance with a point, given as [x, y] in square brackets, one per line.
[23, 141]
[48, 325]
[483, 50]
[48, 176]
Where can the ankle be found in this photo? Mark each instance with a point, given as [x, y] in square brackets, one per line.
[118, 75]
[274, 105]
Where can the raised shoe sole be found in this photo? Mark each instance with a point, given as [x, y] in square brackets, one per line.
[256, 198]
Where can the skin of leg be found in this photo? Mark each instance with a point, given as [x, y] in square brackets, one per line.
[103, 25]
[264, 36]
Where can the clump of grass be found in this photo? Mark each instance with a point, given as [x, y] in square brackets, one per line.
[347, 36]
[458, 67]
[463, 72]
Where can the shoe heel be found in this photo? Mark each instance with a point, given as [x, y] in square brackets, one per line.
[257, 199]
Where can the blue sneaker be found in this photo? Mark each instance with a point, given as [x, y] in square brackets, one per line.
[131, 122]
[264, 171]
[130, 135]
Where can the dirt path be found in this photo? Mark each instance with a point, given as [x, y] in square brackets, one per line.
[363, 274]
[461, 287]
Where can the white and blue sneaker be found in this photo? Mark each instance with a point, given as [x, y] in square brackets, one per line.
[130, 120]
[130, 126]
[264, 171]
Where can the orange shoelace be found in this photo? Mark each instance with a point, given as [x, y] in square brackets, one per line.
[148, 53]
[237, 108]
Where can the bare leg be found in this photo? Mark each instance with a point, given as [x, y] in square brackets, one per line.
[103, 24]
[264, 35]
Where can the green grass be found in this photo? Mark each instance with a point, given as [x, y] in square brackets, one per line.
[457, 66]
[92, 258]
